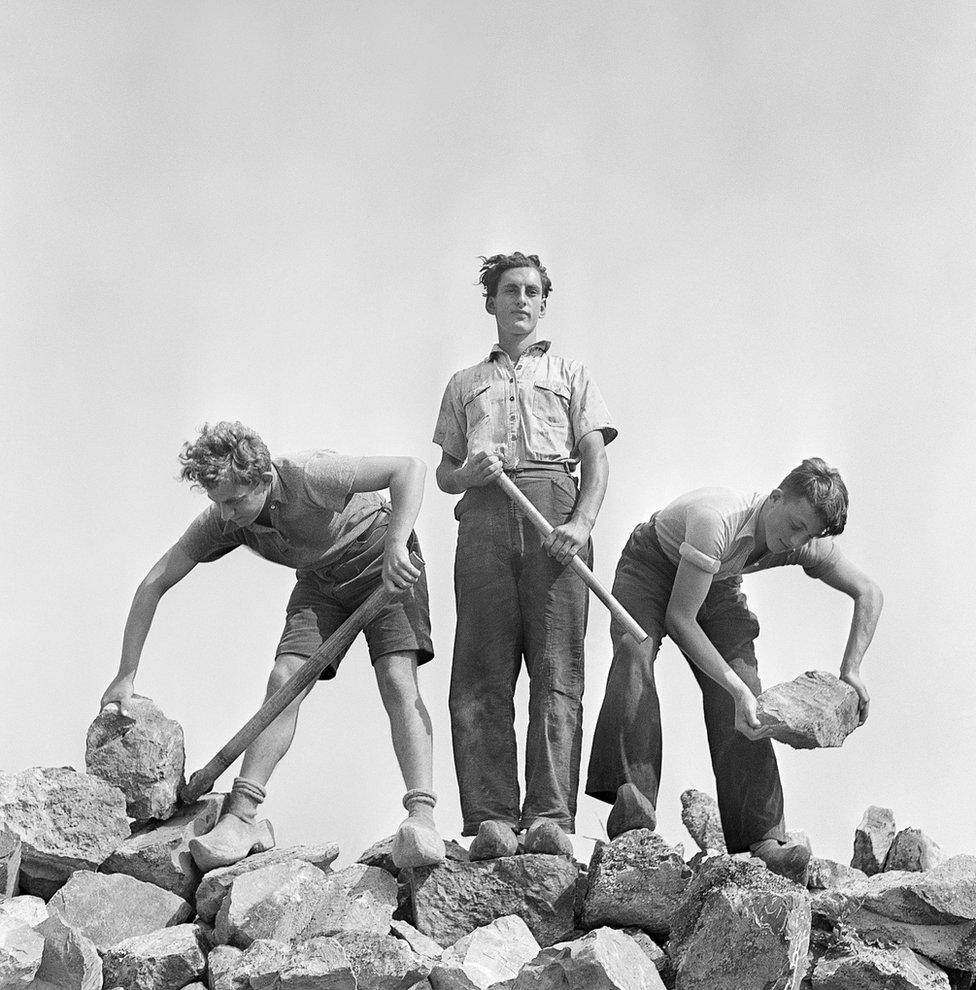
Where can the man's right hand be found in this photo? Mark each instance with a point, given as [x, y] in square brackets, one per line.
[118, 694]
[481, 468]
[746, 720]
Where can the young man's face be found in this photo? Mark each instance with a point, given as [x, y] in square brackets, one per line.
[239, 504]
[790, 522]
[517, 305]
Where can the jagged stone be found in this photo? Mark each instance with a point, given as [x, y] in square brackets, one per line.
[214, 886]
[797, 836]
[812, 711]
[380, 854]
[110, 908]
[318, 964]
[933, 913]
[490, 956]
[167, 959]
[699, 814]
[69, 962]
[157, 852]
[823, 874]
[21, 949]
[140, 754]
[257, 966]
[740, 926]
[424, 946]
[25, 909]
[648, 946]
[604, 959]
[872, 839]
[382, 962]
[66, 821]
[358, 898]
[222, 963]
[851, 964]
[637, 879]
[913, 851]
[10, 848]
[454, 898]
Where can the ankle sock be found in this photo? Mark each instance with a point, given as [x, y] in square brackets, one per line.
[245, 796]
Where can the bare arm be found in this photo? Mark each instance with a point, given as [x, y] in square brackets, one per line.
[691, 585]
[404, 477]
[868, 602]
[171, 568]
[569, 538]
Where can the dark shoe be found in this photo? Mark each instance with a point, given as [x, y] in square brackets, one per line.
[545, 836]
[631, 810]
[494, 840]
[788, 859]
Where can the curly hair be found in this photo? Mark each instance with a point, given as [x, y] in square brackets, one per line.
[823, 487]
[225, 451]
[492, 269]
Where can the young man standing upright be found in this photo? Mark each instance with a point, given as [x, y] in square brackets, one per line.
[535, 416]
[320, 513]
[680, 575]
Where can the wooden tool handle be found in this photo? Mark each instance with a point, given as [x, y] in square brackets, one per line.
[541, 523]
[203, 780]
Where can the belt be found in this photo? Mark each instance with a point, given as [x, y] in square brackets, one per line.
[534, 467]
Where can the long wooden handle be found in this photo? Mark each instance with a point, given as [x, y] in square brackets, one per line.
[542, 524]
[203, 780]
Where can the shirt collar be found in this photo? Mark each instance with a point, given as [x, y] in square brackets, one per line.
[541, 345]
[748, 528]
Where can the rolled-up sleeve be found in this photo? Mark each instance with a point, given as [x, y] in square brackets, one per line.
[205, 539]
[587, 410]
[817, 556]
[705, 540]
[450, 433]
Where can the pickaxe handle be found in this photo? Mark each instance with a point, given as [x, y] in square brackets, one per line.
[203, 780]
[541, 523]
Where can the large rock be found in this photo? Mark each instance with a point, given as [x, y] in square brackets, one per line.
[167, 959]
[912, 850]
[293, 900]
[66, 821]
[423, 945]
[21, 949]
[812, 711]
[141, 754]
[872, 839]
[933, 913]
[823, 874]
[320, 963]
[637, 879]
[740, 926]
[214, 886]
[699, 814]
[159, 853]
[381, 962]
[604, 959]
[69, 962]
[108, 909]
[452, 899]
[852, 964]
[25, 909]
[490, 956]
[10, 847]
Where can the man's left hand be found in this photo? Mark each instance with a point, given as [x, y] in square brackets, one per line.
[863, 698]
[568, 539]
[398, 571]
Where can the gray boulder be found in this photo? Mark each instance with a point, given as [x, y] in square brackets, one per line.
[69, 961]
[141, 754]
[813, 711]
[215, 884]
[740, 926]
[637, 879]
[852, 964]
[381, 962]
[319, 964]
[424, 946]
[872, 839]
[605, 959]
[452, 899]
[10, 846]
[912, 850]
[21, 949]
[490, 956]
[108, 909]
[25, 909]
[700, 815]
[167, 959]
[66, 821]
[158, 852]
[358, 898]
[823, 874]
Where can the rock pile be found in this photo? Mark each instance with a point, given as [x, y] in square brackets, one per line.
[122, 908]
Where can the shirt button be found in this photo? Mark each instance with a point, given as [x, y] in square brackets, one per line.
[511, 398]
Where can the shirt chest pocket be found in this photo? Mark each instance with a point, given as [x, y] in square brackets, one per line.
[551, 403]
[476, 402]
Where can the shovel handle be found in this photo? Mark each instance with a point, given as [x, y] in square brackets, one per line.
[203, 780]
[590, 579]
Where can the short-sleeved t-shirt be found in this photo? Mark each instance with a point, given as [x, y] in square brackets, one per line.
[715, 529]
[315, 516]
[535, 409]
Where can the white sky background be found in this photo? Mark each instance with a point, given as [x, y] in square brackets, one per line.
[759, 221]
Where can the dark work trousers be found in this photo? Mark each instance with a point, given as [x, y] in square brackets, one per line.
[515, 602]
[627, 740]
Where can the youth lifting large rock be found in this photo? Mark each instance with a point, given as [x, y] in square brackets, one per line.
[813, 711]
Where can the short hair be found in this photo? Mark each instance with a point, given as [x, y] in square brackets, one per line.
[225, 451]
[823, 487]
[494, 267]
